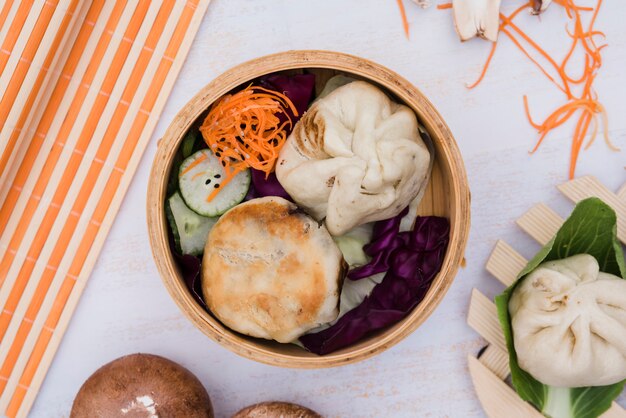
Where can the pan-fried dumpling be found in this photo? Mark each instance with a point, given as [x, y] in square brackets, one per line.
[569, 323]
[354, 157]
[271, 271]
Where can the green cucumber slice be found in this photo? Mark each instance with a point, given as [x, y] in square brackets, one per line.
[202, 173]
[190, 229]
[189, 143]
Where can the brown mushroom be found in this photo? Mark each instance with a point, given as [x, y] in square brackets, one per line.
[142, 386]
[276, 410]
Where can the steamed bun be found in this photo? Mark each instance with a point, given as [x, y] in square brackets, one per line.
[569, 323]
[354, 157]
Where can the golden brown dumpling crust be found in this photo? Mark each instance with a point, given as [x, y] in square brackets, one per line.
[271, 271]
[142, 385]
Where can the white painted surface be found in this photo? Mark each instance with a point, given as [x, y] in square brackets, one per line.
[126, 309]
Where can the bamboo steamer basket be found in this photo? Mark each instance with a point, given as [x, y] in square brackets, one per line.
[447, 195]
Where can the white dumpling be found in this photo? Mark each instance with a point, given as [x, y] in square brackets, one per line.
[354, 157]
[569, 323]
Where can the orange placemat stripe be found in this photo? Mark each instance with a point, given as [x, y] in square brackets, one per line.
[63, 240]
[84, 134]
[25, 66]
[66, 168]
[14, 31]
[4, 12]
[33, 194]
[41, 94]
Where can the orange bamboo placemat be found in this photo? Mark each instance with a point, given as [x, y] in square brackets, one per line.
[82, 84]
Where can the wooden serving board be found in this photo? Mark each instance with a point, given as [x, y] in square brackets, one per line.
[490, 369]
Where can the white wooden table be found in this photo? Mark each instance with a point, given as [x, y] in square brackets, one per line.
[126, 309]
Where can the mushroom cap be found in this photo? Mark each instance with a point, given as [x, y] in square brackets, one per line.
[142, 386]
[276, 410]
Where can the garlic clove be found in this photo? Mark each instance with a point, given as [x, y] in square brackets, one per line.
[477, 18]
[539, 6]
[424, 4]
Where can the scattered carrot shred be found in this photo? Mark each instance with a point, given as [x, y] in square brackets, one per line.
[444, 6]
[580, 97]
[405, 21]
[201, 158]
[244, 130]
[484, 71]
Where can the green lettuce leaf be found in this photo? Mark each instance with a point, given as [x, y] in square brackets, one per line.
[352, 242]
[590, 229]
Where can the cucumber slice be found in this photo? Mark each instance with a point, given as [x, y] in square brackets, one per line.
[190, 229]
[189, 146]
[200, 175]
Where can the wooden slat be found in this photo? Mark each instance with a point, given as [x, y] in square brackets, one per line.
[616, 411]
[16, 41]
[68, 272]
[505, 263]
[33, 231]
[7, 12]
[588, 186]
[80, 14]
[496, 360]
[27, 81]
[22, 274]
[16, 34]
[483, 318]
[33, 112]
[39, 165]
[541, 223]
[622, 193]
[497, 398]
[70, 305]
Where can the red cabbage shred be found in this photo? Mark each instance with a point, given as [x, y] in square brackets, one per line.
[298, 88]
[411, 260]
[262, 186]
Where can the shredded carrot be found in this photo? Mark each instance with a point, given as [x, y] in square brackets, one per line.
[507, 21]
[579, 136]
[493, 48]
[484, 71]
[201, 158]
[564, 3]
[197, 175]
[444, 6]
[405, 22]
[580, 97]
[541, 68]
[244, 130]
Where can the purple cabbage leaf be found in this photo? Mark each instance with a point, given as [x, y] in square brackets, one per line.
[298, 88]
[411, 260]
